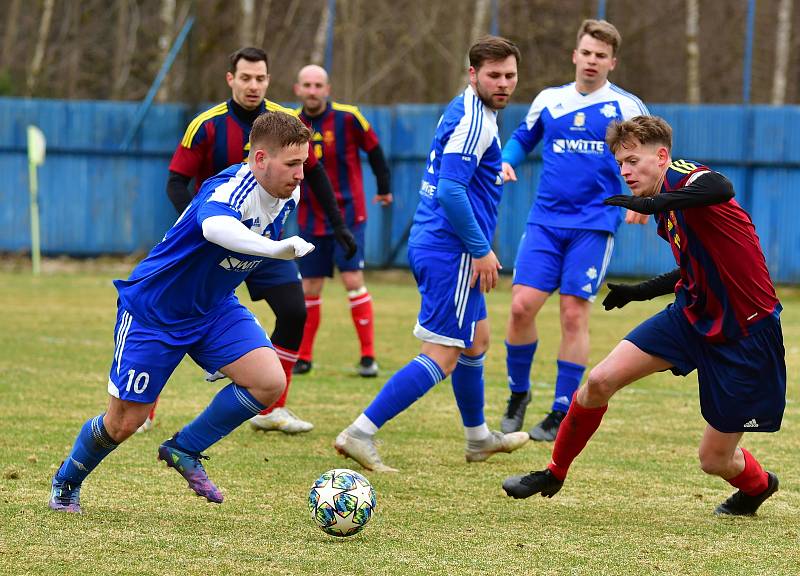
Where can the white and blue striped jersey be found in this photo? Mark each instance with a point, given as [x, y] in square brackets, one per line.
[578, 170]
[187, 280]
[465, 149]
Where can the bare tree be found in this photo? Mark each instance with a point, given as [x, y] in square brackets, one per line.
[782, 48]
[321, 36]
[167, 17]
[10, 36]
[41, 45]
[246, 22]
[692, 52]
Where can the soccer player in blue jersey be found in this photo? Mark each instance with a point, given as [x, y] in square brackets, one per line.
[724, 323]
[180, 300]
[569, 235]
[450, 254]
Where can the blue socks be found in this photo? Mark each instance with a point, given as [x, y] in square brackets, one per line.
[230, 407]
[518, 363]
[468, 389]
[404, 388]
[91, 446]
[568, 380]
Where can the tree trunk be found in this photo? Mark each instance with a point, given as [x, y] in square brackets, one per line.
[10, 37]
[692, 52]
[782, 48]
[321, 37]
[41, 46]
[246, 22]
[479, 20]
[167, 17]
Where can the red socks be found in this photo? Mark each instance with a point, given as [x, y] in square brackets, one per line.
[152, 415]
[752, 480]
[361, 311]
[577, 427]
[313, 315]
[288, 359]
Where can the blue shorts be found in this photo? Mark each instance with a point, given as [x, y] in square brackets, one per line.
[742, 383]
[450, 309]
[144, 358]
[571, 259]
[271, 272]
[327, 250]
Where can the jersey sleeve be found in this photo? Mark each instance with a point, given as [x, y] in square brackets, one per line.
[190, 152]
[367, 139]
[530, 130]
[232, 198]
[632, 106]
[466, 146]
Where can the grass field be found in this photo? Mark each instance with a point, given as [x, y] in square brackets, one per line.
[635, 502]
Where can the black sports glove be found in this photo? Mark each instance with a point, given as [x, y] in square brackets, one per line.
[620, 294]
[346, 239]
[635, 203]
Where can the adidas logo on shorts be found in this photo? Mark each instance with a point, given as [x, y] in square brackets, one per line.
[751, 424]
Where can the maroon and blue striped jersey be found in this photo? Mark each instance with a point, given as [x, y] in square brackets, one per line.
[725, 289]
[338, 135]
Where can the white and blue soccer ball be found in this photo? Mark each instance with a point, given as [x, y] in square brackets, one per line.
[341, 502]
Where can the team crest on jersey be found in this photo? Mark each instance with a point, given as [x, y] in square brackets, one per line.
[609, 111]
[233, 264]
[328, 137]
[580, 120]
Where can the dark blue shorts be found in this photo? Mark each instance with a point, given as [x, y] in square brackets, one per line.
[742, 383]
[271, 272]
[327, 251]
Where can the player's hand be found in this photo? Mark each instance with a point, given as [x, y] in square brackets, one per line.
[346, 240]
[300, 246]
[485, 270]
[383, 199]
[508, 173]
[632, 217]
[619, 295]
[635, 203]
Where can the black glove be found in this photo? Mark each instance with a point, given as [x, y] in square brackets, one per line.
[620, 294]
[347, 241]
[635, 203]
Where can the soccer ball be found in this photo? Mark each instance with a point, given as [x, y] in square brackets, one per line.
[341, 502]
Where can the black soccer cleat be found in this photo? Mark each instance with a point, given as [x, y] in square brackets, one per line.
[367, 367]
[515, 412]
[546, 430]
[741, 504]
[541, 482]
[302, 367]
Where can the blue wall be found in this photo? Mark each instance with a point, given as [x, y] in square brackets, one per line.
[96, 199]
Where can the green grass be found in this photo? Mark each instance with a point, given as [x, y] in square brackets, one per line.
[635, 502]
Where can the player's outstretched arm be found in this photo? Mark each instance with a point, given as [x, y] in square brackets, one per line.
[707, 189]
[321, 188]
[620, 294]
[228, 232]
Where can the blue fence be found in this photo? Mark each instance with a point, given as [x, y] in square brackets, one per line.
[96, 199]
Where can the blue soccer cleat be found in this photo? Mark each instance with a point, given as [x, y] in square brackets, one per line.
[189, 466]
[65, 496]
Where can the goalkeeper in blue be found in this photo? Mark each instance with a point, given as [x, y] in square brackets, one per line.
[180, 300]
[450, 254]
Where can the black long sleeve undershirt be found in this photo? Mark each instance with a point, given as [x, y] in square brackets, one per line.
[321, 188]
[708, 189]
[659, 285]
[178, 191]
[377, 161]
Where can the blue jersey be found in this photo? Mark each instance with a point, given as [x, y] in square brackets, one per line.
[187, 280]
[578, 170]
[465, 149]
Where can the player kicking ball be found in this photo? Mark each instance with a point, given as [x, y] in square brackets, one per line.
[180, 300]
[725, 321]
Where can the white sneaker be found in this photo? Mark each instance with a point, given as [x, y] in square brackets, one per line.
[362, 450]
[282, 420]
[480, 450]
[145, 427]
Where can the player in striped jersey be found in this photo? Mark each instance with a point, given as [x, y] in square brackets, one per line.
[180, 300]
[450, 252]
[724, 323]
[569, 235]
[339, 133]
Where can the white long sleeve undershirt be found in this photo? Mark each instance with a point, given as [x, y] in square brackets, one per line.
[228, 232]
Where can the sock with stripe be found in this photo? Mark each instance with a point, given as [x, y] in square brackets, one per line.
[752, 480]
[404, 388]
[313, 317]
[519, 359]
[361, 312]
[91, 446]
[568, 380]
[467, 379]
[288, 359]
[228, 409]
[577, 427]
[152, 414]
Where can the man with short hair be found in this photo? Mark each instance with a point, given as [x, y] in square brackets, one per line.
[725, 321]
[218, 138]
[340, 131]
[451, 257]
[180, 300]
[569, 235]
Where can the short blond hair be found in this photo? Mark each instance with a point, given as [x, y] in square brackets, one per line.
[603, 31]
[645, 129]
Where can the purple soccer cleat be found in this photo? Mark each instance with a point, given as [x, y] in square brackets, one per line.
[65, 496]
[190, 467]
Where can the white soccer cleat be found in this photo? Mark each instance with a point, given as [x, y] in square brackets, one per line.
[145, 427]
[280, 420]
[480, 450]
[362, 450]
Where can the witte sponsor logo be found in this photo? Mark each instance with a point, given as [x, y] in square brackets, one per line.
[233, 264]
[564, 145]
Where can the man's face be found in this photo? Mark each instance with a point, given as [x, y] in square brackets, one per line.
[593, 60]
[494, 81]
[313, 89]
[642, 166]
[249, 83]
[279, 172]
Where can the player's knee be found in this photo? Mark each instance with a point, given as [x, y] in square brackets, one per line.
[122, 426]
[267, 387]
[522, 312]
[600, 385]
[573, 321]
[713, 462]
